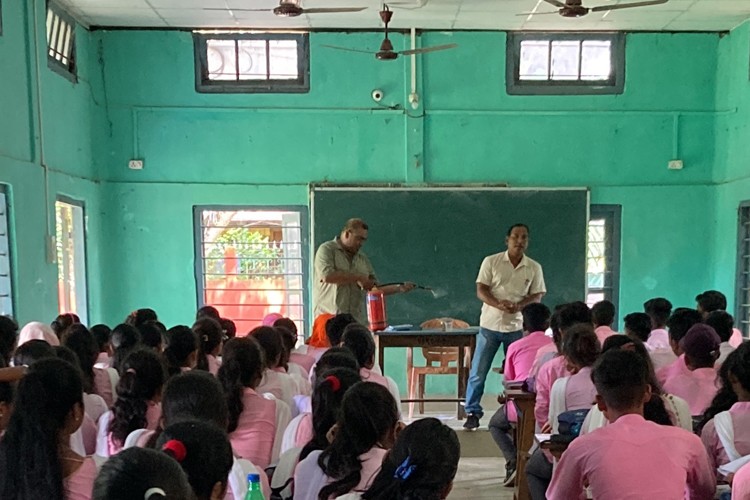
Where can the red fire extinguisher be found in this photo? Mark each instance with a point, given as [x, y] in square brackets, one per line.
[376, 314]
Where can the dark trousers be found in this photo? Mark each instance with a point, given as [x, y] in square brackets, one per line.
[502, 432]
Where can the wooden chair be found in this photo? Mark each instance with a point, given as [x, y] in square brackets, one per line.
[438, 361]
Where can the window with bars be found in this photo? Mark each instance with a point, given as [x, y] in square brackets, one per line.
[6, 278]
[251, 262]
[565, 63]
[61, 42]
[70, 239]
[252, 62]
[603, 256]
[742, 293]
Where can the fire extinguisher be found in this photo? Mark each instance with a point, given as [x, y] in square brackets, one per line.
[376, 314]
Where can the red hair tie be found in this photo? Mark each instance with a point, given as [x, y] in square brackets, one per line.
[335, 382]
[176, 449]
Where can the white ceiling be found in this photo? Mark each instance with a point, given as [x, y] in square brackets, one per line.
[675, 15]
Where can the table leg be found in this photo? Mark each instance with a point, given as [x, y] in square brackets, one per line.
[381, 353]
[460, 412]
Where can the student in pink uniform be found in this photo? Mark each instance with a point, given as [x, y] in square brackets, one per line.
[521, 354]
[36, 458]
[741, 484]
[713, 300]
[723, 323]
[125, 339]
[358, 339]
[366, 429]
[603, 316]
[300, 376]
[546, 352]
[631, 458]
[422, 464]
[181, 354]
[697, 385]
[658, 309]
[679, 323]
[62, 322]
[81, 341]
[204, 453]
[727, 435]
[138, 404]
[153, 335]
[140, 473]
[275, 380]
[37, 331]
[210, 340]
[103, 336]
[638, 327]
[297, 357]
[256, 423]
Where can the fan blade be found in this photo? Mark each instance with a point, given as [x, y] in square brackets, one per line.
[238, 10]
[603, 8]
[333, 10]
[526, 14]
[428, 49]
[348, 49]
[556, 3]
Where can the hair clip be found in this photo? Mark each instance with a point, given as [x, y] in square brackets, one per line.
[176, 449]
[130, 370]
[404, 470]
[153, 491]
[335, 382]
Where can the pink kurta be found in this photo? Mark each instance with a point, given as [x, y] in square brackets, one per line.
[543, 355]
[79, 485]
[736, 339]
[603, 333]
[304, 360]
[280, 384]
[697, 387]
[153, 416]
[548, 373]
[633, 459]
[213, 364]
[309, 478]
[677, 367]
[725, 349]
[256, 429]
[522, 353]
[662, 358]
[658, 339]
[103, 385]
[740, 413]
[741, 484]
[580, 391]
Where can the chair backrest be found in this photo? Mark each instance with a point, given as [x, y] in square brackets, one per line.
[442, 356]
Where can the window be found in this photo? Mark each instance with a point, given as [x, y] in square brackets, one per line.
[71, 258]
[6, 278]
[742, 293]
[61, 43]
[251, 262]
[603, 259]
[565, 63]
[252, 62]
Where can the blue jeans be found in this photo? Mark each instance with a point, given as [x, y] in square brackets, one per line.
[488, 342]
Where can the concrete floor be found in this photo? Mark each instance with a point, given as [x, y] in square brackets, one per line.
[482, 469]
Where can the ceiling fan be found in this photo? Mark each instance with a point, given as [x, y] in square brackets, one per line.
[292, 8]
[574, 8]
[386, 52]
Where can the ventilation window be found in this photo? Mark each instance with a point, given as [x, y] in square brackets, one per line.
[563, 63]
[6, 275]
[252, 62]
[61, 42]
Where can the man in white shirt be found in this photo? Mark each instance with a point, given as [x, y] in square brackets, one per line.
[507, 281]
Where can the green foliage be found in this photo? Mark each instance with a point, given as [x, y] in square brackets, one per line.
[258, 256]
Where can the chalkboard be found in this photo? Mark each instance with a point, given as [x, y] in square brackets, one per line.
[438, 238]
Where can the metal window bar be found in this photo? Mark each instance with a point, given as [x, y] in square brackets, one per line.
[742, 300]
[6, 280]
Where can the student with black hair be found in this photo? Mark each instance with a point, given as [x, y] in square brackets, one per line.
[103, 337]
[358, 339]
[335, 357]
[300, 376]
[275, 379]
[140, 316]
[697, 383]
[723, 323]
[141, 473]
[63, 321]
[204, 453]
[421, 465]
[208, 312]
[603, 317]
[229, 328]
[8, 338]
[335, 327]
[152, 335]
[658, 310]
[210, 340]
[727, 435]
[713, 300]
[32, 351]
[181, 353]
[256, 422]
[520, 357]
[36, 460]
[125, 339]
[365, 430]
[297, 356]
[7, 391]
[631, 457]
[138, 401]
[198, 395]
[638, 326]
[679, 323]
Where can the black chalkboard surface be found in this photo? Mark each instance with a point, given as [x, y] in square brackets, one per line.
[437, 237]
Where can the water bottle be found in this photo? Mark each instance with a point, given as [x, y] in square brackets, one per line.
[254, 491]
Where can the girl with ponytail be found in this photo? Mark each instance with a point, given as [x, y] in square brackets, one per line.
[256, 422]
[181, 353]
[210, 339]
[138, 400]
[365, 430]
[36, 460]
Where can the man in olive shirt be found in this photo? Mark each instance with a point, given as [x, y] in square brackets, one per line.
[344, 275]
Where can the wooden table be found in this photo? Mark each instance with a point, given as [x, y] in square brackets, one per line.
[524, 402]
[462, 339]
